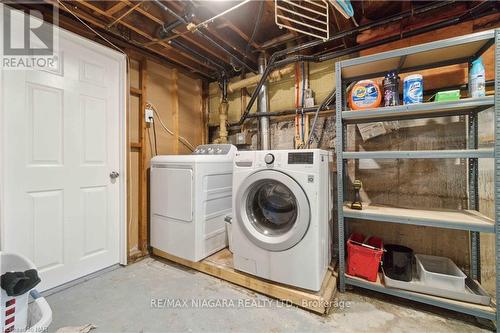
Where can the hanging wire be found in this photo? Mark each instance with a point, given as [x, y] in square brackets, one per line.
[181, 139]
[154, 135]
[256, 27]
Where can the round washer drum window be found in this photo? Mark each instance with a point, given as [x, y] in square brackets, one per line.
[271, 207]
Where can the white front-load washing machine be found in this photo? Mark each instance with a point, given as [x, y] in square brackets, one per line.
[282, 215]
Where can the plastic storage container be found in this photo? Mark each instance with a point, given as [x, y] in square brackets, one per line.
[365, 94]
[413, 89]
[363, 261]
[391, 89]
[16, 314]
[398, 262]
[440, 272]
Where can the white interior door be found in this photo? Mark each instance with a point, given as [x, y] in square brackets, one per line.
[61, 140]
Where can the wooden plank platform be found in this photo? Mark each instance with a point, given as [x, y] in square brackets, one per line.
[220, 265]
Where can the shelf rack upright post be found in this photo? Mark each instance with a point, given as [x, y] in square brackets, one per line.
[458, 50]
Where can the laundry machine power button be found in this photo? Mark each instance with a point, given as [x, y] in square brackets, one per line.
[269, 158]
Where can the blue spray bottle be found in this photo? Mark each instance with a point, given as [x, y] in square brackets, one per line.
[477, 79]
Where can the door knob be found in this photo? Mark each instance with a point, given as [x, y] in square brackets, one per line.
[114, 175]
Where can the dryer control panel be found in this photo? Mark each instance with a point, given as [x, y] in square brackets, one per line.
[214, 149]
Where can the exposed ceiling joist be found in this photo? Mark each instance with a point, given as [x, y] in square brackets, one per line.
[141, 32]
[169, 54]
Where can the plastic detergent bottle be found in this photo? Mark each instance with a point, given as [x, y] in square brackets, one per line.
[391, 89]
[477, 79]
[365, 94]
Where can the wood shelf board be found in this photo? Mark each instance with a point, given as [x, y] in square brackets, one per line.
[419, 154]
[221, 266]
[414, 56]
[422, 110]
[441, 218]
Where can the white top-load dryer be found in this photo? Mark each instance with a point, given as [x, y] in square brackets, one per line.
[190, 196]
[282, 215]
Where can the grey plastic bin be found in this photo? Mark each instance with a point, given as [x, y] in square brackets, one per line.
[440, 272]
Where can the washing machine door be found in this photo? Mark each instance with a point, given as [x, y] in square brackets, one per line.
[272, 209]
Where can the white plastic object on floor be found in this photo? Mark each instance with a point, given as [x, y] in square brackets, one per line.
[39, 314]
[440, 272]
[16, 314]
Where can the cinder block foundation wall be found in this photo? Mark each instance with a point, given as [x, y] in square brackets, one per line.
[424, 183]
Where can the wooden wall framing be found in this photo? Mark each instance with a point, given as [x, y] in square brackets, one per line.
[180, 102]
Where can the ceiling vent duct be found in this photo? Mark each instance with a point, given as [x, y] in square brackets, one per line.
[309, 17]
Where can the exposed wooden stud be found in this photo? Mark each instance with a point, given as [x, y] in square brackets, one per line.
[143, 162]
[175, 111]
[205, 98]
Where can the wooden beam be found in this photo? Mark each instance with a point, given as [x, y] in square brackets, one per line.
[224, 39]
[205, 100]
[145, 35]
[167, 54]
[70, 23]
[189, 37]
[116, 7]
[227, 23]
[135, 91]
[124, 14]
[175, 112]
[143, 162]
[220, 265]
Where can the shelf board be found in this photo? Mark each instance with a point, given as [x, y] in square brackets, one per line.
[440, 218]
[437, 154]
[482, 311]
[443, 52]
[423, 110]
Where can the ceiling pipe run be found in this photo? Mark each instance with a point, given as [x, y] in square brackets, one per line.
[263, 107]
[253, 80]
[272, 64]
[188, 49]
[223, 111]
[205, 36]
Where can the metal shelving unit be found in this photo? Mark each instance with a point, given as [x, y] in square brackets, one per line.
[459, 50]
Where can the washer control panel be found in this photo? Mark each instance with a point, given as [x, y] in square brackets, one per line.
[213, 149]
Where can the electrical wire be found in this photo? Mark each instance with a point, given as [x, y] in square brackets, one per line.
[256, 26]
[181, 139]
[150, 143]
[154, 135]
[302, 132]
[297, 130]
[89, 27]
[325, 102]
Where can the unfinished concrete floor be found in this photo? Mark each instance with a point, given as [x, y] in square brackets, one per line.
[120, 301]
